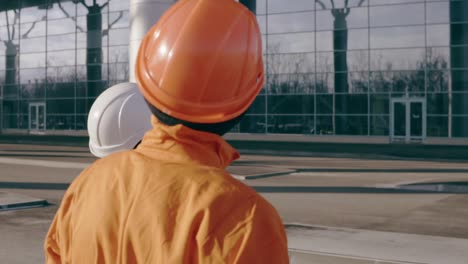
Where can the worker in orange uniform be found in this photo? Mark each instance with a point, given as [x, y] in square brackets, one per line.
[171, 200]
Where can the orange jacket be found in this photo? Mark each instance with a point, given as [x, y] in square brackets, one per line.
[168, 201]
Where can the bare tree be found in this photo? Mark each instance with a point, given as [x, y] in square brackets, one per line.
[340, 47]
[11, 61]
[94, 34]
[12, 48]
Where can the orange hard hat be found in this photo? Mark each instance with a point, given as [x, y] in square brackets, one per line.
[202, 62]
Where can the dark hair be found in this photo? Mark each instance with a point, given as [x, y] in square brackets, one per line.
[216, 128]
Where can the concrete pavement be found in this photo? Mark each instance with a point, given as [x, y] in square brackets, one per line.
[328, 194]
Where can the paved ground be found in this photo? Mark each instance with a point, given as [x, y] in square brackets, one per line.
[330, 192]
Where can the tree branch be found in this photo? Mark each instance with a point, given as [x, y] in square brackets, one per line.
[14, 23]
[25, 35]
[346, 3]
[68, 16]
[104, 5]
[321, 4]
[117, 19]
[347, 11]
[333, 4]
[360, 3]
[8, 24]
[106, 32]
[81, 2]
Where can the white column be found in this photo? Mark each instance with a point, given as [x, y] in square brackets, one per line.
[143, 15]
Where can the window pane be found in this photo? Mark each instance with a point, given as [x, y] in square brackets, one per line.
[31, 45]
[30, 30]
[411, 81]
[81, 122]
[357, 18]
[324, 104]
[60, 26]
[61, 58]
[252, 124]
[413, 36]
[10, 107]
[11, 91]
[288, 84]
[324, 125]
[65, 9]
[23, 121]
[115, 5]
[460, 126]
[459, 17]
[358, 60]
[298, 42]
[9, 48]
[325, 82]
[379, 104]
[261, 20]
[34, 89]
[60, 90]
[356, 39]
[61, 74]
[437, 80]
[61, 42]
[338, 4]
[459, 80]
[291, 124]
[62, 106]
[61, 122]
[32, 14]
[118, 54]
[437, 103]
[437, 12]
[32, 60]
[459, 106]
[258, 106]
[119, 19]
[119, 36]
[276, 6]
[438, 35]
[437, 126]
[261, 6]
[119, 71]
[325, 62]
[411, 14]
[397, 59]
[358, 82]
[284, 23]
[81, 58]
[351, 103]
[290, 104]
[379, 125]
[32, 75]
[290, 63]
[387, 2]
[81, 106]
[351, 125]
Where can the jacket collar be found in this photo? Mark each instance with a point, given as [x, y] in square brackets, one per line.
[182, 144]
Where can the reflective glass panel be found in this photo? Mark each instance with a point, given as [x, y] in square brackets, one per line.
[397, 15]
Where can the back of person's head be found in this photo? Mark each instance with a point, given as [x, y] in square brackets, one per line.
[201, 64]
[118, 119]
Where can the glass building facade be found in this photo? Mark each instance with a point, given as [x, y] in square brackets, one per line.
[388, 68]
[56, 57]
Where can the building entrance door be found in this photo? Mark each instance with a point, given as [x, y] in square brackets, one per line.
[408, 119]
[37, 117]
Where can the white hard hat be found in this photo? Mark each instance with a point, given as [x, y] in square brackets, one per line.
[117, 120]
